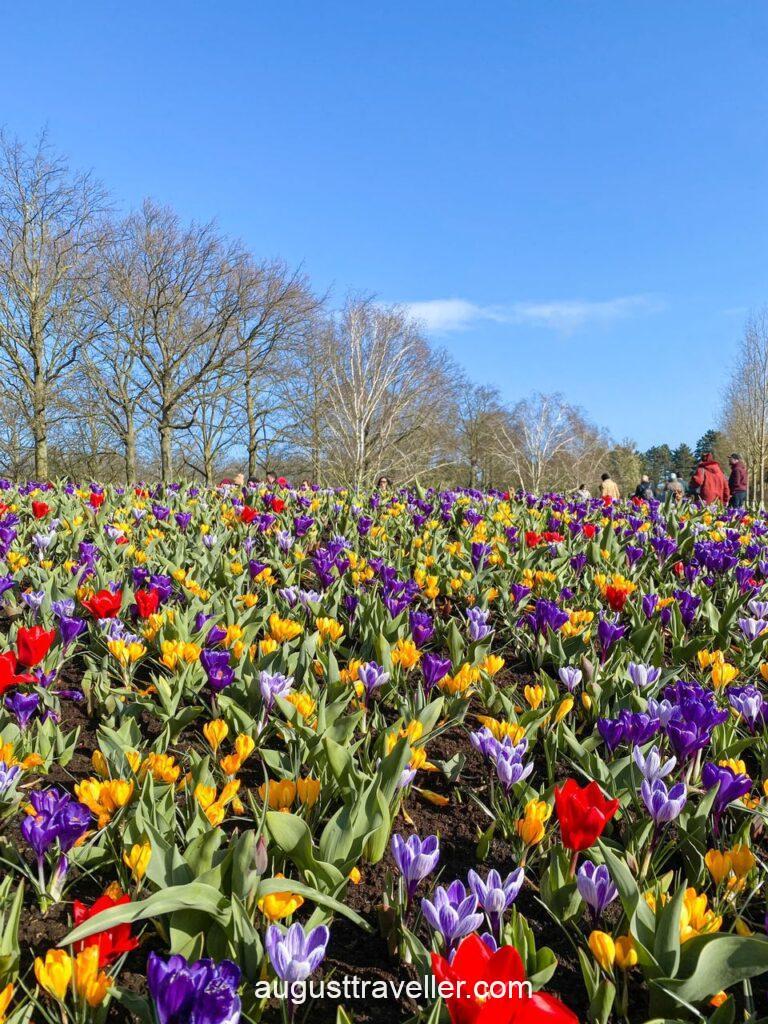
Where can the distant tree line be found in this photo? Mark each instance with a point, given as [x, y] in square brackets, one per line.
[139, 346]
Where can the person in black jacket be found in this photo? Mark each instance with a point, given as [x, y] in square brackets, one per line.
[644, 489]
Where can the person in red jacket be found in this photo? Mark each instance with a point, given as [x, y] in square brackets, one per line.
[708, 481]
[738, 481]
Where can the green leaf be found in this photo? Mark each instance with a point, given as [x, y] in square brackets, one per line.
[711, 963]
[666, 946]
[194, 896]
[642, 920]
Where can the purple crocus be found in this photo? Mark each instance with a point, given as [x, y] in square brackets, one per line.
[496, 895]
[9, 776]
[569, 676]
[202, 992]
[609, 632]
[435, 667]
[23, 705]
[372, 676]
[731, 785]
[651, 766]
[643, 676]
[415, 859]
[70, 629]
[272, 685]
[295, 954]
[57, 817]
[217, 669]
[595, 887]
[662, 804]
[478, 623]
[452, 912]
[509, 768]
[749, 703]
[422, 627]
[752, 628]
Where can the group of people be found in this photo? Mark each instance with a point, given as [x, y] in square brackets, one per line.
[708, 483]
[271, 480]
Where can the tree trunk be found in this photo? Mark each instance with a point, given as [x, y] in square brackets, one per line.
[130, 452]
[208, 464]
[166, 455]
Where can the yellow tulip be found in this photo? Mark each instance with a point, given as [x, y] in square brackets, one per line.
[277, 905]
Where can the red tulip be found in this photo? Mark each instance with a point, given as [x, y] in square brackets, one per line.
[114, 941]
[277, 504]
[583, 813]
[470, 982]
[8, 675]
[248, 514]
[147, 602]
[589, 530]
[33, 643]
[40, 509]
[616, 597]
[532, 539]
[96, 500]
[104, 604]
[282, 482]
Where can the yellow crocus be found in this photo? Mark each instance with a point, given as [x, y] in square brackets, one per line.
[603, 949]
[55, 972]
[283, 630]
[280, 793]
[534, 695]
[6, 995]
[91, 984]
[137, 859]
[308, 791]
[215, 733]
[626, 954]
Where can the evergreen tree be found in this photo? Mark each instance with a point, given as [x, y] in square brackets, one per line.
[713, 441]
[683, 461]
[657, 462]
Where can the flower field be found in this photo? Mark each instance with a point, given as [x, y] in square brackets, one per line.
[417, 746]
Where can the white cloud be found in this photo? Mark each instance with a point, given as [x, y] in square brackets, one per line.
[566, 316]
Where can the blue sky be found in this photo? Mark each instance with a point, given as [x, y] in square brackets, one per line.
[573, 194]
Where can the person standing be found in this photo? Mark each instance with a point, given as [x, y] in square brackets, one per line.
[708, 481]
[675, 488]
[644, 489]
[738, 481]
[609, 488]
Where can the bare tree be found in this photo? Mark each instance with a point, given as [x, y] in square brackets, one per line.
[122, 303]
[388, 394]
[50, 233]
[276, 308]
[745, 414]
[186, 296]
[481, 418]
